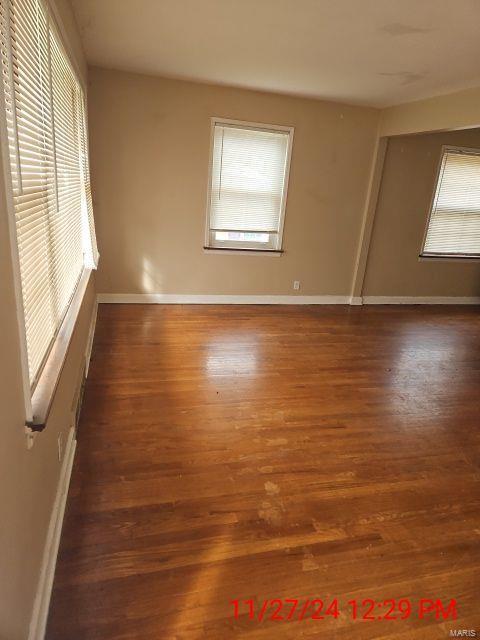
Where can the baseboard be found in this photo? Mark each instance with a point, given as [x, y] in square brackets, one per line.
[168, 298]
[356, 301]
[91, 335]
[47, 572]
[420, 300]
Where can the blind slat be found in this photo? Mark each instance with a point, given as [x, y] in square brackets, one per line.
[47, 139]
[248, 178]
[454, 225]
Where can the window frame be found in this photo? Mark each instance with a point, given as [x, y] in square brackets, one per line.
[445, 256]
[248, 247]
[38, 397]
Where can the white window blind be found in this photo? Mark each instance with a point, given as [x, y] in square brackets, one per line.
[249, 174]
[454, 224]
[47, 140]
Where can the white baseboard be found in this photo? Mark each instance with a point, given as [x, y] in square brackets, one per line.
[168, 298]
[420, 300]
[356, 300]
[49, 561]
[91, 335]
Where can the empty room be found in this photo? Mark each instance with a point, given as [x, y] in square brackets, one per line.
[240, 319]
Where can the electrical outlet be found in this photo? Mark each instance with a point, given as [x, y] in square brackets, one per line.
[296, 285]
[60, 447]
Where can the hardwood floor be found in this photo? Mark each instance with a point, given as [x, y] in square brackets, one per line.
[249, 452]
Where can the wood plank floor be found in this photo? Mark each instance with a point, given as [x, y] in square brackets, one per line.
[254, 453]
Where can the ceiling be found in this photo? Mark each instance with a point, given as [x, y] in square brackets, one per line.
[372, 52]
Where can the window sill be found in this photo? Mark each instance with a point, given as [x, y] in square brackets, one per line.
[275, 253]
[44, 392]
[449, 258]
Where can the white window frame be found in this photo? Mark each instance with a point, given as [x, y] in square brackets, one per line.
[37, 400]
[14, 258]
[436, 189]
[257, 248]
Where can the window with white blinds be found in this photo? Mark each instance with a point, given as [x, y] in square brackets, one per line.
[248, 185]
[48, 150]
[454, 223]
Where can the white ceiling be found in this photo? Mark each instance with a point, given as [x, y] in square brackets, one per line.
[374, 52]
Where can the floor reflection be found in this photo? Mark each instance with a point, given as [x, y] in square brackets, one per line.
[231, 357]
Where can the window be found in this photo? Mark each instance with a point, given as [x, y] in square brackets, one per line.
[44, 109]
[454, 225]
[248, 185]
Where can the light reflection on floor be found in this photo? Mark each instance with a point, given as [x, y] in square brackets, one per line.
[424, 372]
[231, 358]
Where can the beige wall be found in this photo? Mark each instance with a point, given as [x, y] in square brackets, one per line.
[393, 267]
[459, 110]
[29, 479]
[149, 141]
